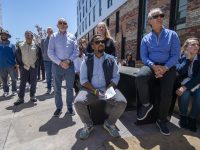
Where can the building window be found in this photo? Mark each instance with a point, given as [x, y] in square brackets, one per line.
[108, 22]
[80, 16]
[86, 6]
[181, 11]
[83, 26]
[88, 37]
[94, 14]
[85, 23]
[83, 11]
[117, 22]
[79, 5]
[80, 30]
[82, 1]
[109, 3]
[145, 17]
[93, 31]
[100, 8]
[90, 3]
[89, 19]
[123, 45]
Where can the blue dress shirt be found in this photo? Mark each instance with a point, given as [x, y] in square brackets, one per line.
[98, 80]
[62, 47]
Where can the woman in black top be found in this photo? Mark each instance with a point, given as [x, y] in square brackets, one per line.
[102, 29]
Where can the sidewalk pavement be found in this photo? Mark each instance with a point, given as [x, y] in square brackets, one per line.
[31, 127]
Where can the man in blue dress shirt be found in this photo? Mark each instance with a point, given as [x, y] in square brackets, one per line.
[160, 51]
[98, 72]
[62, 50]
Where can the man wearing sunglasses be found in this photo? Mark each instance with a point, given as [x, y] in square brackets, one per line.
[160, 51]
[99, 72]
[62, 50]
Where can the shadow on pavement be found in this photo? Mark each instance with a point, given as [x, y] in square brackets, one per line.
[97, 140]
[55, 124]
[20, 107]
[2, 98]
[45, 96]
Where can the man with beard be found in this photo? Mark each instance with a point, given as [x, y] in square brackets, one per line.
[8, 63]
[99, 71]
[28, 55]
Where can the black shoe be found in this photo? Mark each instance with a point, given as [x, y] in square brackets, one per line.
[57, 113]
[143, 112]
[163, 127]
[183, 122]
[19, 101]
[71, 111]
[33, 99]
[192, 125]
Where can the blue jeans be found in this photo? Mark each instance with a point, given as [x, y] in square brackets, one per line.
[68, 75]
[4, 76]
[184, 103]
[48, 68]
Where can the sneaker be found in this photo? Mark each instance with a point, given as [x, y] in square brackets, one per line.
[5, 94]
[33, 99]
[85, 132]
[163, 127]
[48, 91]
[144, 111]
[19, 101]
[57, 113]
[71, 111]
[14, 93]
[111, 129]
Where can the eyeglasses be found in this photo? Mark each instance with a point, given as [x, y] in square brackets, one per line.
[157, 16]
[62, 23]
[193, 45]
[98, 42]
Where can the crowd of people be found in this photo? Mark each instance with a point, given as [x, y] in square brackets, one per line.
[91, 68]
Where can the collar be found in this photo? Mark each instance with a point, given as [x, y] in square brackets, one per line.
[62, 33]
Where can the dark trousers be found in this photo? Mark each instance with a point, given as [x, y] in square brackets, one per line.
[26, 76]
[41, 67]
[166, 87]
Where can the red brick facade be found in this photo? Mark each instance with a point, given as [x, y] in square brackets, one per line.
[129, 13]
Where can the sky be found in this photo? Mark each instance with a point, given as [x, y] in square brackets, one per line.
[21, 15]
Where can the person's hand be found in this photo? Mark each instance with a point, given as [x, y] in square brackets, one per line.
[64, 64]
[180, 90]
[163, 69]
[157, 70]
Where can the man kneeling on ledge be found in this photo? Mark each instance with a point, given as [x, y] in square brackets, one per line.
[98, 72]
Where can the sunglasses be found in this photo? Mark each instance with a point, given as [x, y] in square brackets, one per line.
[157, 16]
[98, 42]
[62, 23]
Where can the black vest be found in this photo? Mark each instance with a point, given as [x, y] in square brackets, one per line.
[108, 66]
